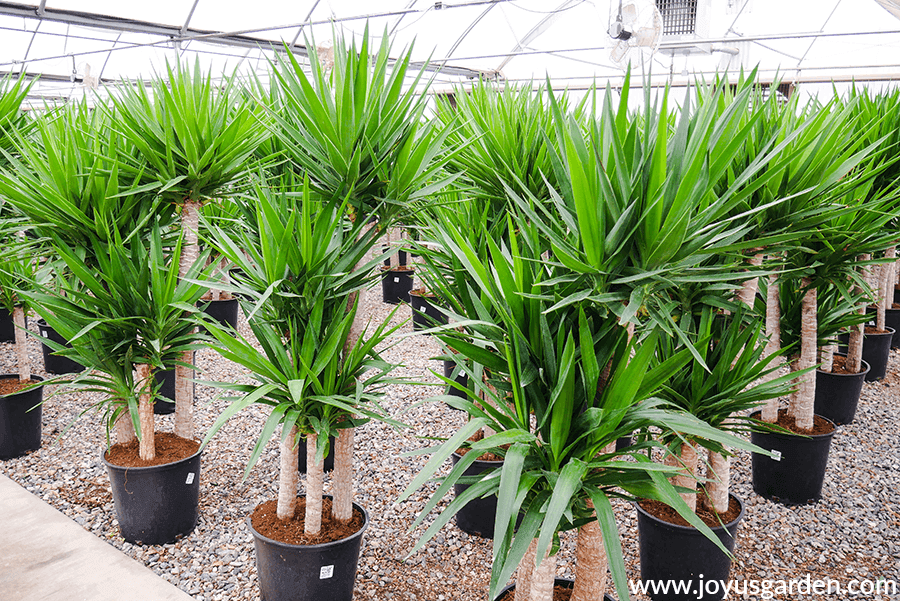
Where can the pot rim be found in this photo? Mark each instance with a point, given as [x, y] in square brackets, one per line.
[890, 332]
[484, 463]
[792, 435]
[399, 269]
[318, 546]
[862, 373]
[16, 377]
[144, 468]
[679, 527]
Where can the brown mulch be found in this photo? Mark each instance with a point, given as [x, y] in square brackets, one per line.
[385, 268]
[874, 330]
[265, 521]
[709, 516]
[13, 385]
[169, 449]
[840, 366]
[820, 424]
[484, 456]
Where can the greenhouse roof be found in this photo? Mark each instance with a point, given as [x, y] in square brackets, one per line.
[74, 45]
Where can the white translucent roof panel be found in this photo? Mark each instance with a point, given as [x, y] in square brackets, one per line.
[169, 12]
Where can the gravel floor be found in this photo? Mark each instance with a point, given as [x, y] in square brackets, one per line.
[854, 532]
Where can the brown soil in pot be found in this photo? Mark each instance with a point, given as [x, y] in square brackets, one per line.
[398, 268]
[265, 521]
[874, 330]
[840, 366]
[820, 424]
[560, 593]
[709, 516]
[485, 456]
[14, 385]
[169, 449]
[421, 292]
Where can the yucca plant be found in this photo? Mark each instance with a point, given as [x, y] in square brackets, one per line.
[195, 138]
[297, 273]
[123, 314]
[13, 119]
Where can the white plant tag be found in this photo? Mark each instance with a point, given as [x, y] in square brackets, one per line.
[396, 280]
[326, 572]
[190, 478]
[776, 455]
[45, 334]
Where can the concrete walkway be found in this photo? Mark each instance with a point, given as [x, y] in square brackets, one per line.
[45, 556]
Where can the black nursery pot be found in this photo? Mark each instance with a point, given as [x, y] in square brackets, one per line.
[158, 504]
[670, 552]
[425, 314]
[837, 395]
[563, 582]
[329, 458]
[55, 364]
[401, 256]
[876, 352]
[395, 285]
[892, 320]
[8, 326]
[20, 420]
[308, 572]
[224, 311]
[797, 478]
[462, 379]
[477, 516]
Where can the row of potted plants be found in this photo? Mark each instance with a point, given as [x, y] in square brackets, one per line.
[597, 270]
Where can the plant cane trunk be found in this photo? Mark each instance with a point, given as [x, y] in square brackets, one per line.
[854, 345]
[343, 475]
[543, 579]
[124, 428]
[315, 476]
[525, 572]
[184, 388]
[773, 345]
[748, 290]
[880, 275]
[803, 408]
[21, 344]
[826, 357]
[719, 481]
[591, 563]
[147, 445]
[687, 459]
[288, 476]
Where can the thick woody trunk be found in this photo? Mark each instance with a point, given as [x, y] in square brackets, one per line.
[184, 388]
[22, 344]
[748, 290]
[591, 563]
[886, 298]
[315, 476]
[124, 428]
[288, 476]
[147, 446]
[826, 357]
[342, 507]
[687, 460]
[855, 344]
[773, 345]
[525, 572]
[719, 481]
[542, 579]
[803, 408]
[880, 275]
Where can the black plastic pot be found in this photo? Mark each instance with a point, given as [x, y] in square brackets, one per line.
[462, 379]
[797, 477]
[165, 397]
[425, 314]
[20, 420]
[892, 320]
[670, 552]
[563, 582]
[876, 352]
[329, 458]
[308, 572]
[401, 256]
[478, 515]
[55, 364]
[395, 286]
[158, 504]
[837, 395]
[8, 326]
[224, 311]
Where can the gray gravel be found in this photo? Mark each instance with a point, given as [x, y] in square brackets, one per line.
[854, 532]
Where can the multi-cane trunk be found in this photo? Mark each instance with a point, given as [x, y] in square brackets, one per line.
[803, 408]
[542, 579]
[773, 345]
[591, 563]
[147, 445]
[315, 476]
[342, 506]
[687, 460]
[288, 476]
[719, 481]
[184, 388]
[21, 344]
